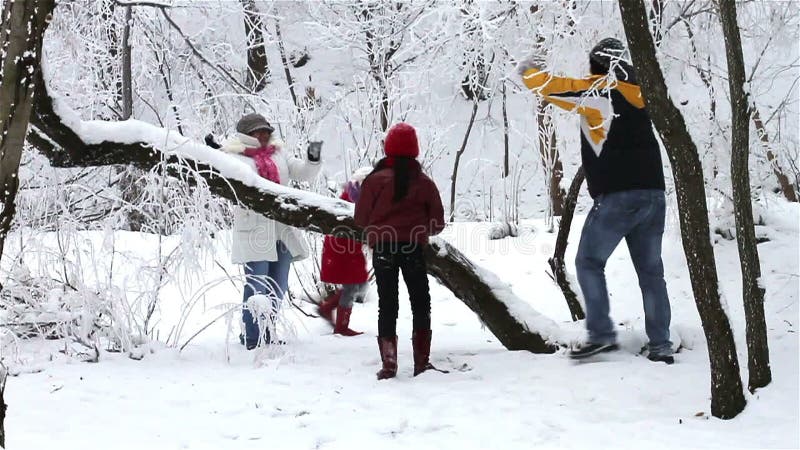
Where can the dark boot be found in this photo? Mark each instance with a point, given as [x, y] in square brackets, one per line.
[343, 322]
[388, 349]
[328, 305]
[421, 343]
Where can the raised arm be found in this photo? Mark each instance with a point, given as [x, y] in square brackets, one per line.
[302, 169]
[564, 92]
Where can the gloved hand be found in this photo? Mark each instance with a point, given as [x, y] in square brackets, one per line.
[314, 151]
[211, 142]
[532, 61]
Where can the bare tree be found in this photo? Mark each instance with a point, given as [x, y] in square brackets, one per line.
[557, 265]
[727, 396]
[753, 291]
[21, 38]
[285, 62]
[457, 161]
[3, 406]
[257, 64]
[127, 70]
[551, 161]
[21, 35]
[786, 186]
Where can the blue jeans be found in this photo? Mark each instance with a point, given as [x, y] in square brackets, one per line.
[637, 216]
[270, 278]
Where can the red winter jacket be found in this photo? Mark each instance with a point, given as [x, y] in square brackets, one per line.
[412, 219]
[343, 260]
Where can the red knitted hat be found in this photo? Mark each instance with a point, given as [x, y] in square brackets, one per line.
[401, 140]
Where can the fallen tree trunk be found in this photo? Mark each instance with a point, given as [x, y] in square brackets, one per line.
[67, 141]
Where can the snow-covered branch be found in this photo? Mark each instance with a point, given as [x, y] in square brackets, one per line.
[68, 141]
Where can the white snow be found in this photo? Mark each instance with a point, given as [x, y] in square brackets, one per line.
[319, 391]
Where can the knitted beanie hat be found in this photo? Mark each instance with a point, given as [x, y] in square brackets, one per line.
[607, 51]
[401, 140]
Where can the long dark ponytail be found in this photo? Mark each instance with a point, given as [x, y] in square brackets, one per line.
[402, 174]
[401, 177]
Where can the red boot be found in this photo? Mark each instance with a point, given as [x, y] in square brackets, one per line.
[326, 307]
[388, 349]
[421, 343]
[343, 322]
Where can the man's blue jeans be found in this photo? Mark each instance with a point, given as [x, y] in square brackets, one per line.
[638, 216]
[270, 278]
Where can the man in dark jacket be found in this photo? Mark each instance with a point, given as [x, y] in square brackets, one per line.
[622, 160]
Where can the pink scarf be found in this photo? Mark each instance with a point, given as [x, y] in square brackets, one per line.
[264, 163]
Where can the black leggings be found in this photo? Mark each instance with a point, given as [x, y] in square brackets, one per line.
[388, 259]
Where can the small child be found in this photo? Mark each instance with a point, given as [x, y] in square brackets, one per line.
[343, 262]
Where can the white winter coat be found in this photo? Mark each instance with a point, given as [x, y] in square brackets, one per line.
[255, 236]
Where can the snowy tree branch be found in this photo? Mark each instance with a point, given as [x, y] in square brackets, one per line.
[68, 141]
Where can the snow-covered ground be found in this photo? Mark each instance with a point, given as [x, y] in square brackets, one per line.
[320, 391]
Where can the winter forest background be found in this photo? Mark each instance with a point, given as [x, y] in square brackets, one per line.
[122, 258]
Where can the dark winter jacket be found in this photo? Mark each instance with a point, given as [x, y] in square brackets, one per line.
[411, 219]
[619, 150]
[343, 260]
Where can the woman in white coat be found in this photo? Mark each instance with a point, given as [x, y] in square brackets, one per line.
[264, 246]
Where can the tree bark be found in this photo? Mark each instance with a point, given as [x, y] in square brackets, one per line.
[783, 181]
[727, 396]
[21, 34]
[3, 406]
[285, 61]
[459, 153]
[506, 149]
[257, 65]
[23, 25]
[753, 291]
[557, 264]
[516, 325]
[127, 70]
[551, 160]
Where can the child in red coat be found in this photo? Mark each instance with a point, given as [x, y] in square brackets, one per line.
[343, 262]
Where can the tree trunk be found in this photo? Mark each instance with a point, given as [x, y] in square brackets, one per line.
[783, 181]
[106, 76]
[506, 150]
[459, 153]
[285, 62]
[513, 321]
[21, 36]
[127, 83]
[760, 374]
[551, 161]
[557, 261]
[3, 405]
[727, 396]
[258, 68]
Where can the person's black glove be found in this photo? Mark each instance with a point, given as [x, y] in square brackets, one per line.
[314, 150]
[211, 142]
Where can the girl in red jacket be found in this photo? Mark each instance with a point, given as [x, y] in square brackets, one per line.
[343, 262]
[398, 209]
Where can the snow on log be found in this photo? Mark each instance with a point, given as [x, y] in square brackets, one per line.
[67, 141]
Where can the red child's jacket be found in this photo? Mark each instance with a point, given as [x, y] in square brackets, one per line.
[343, 260]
